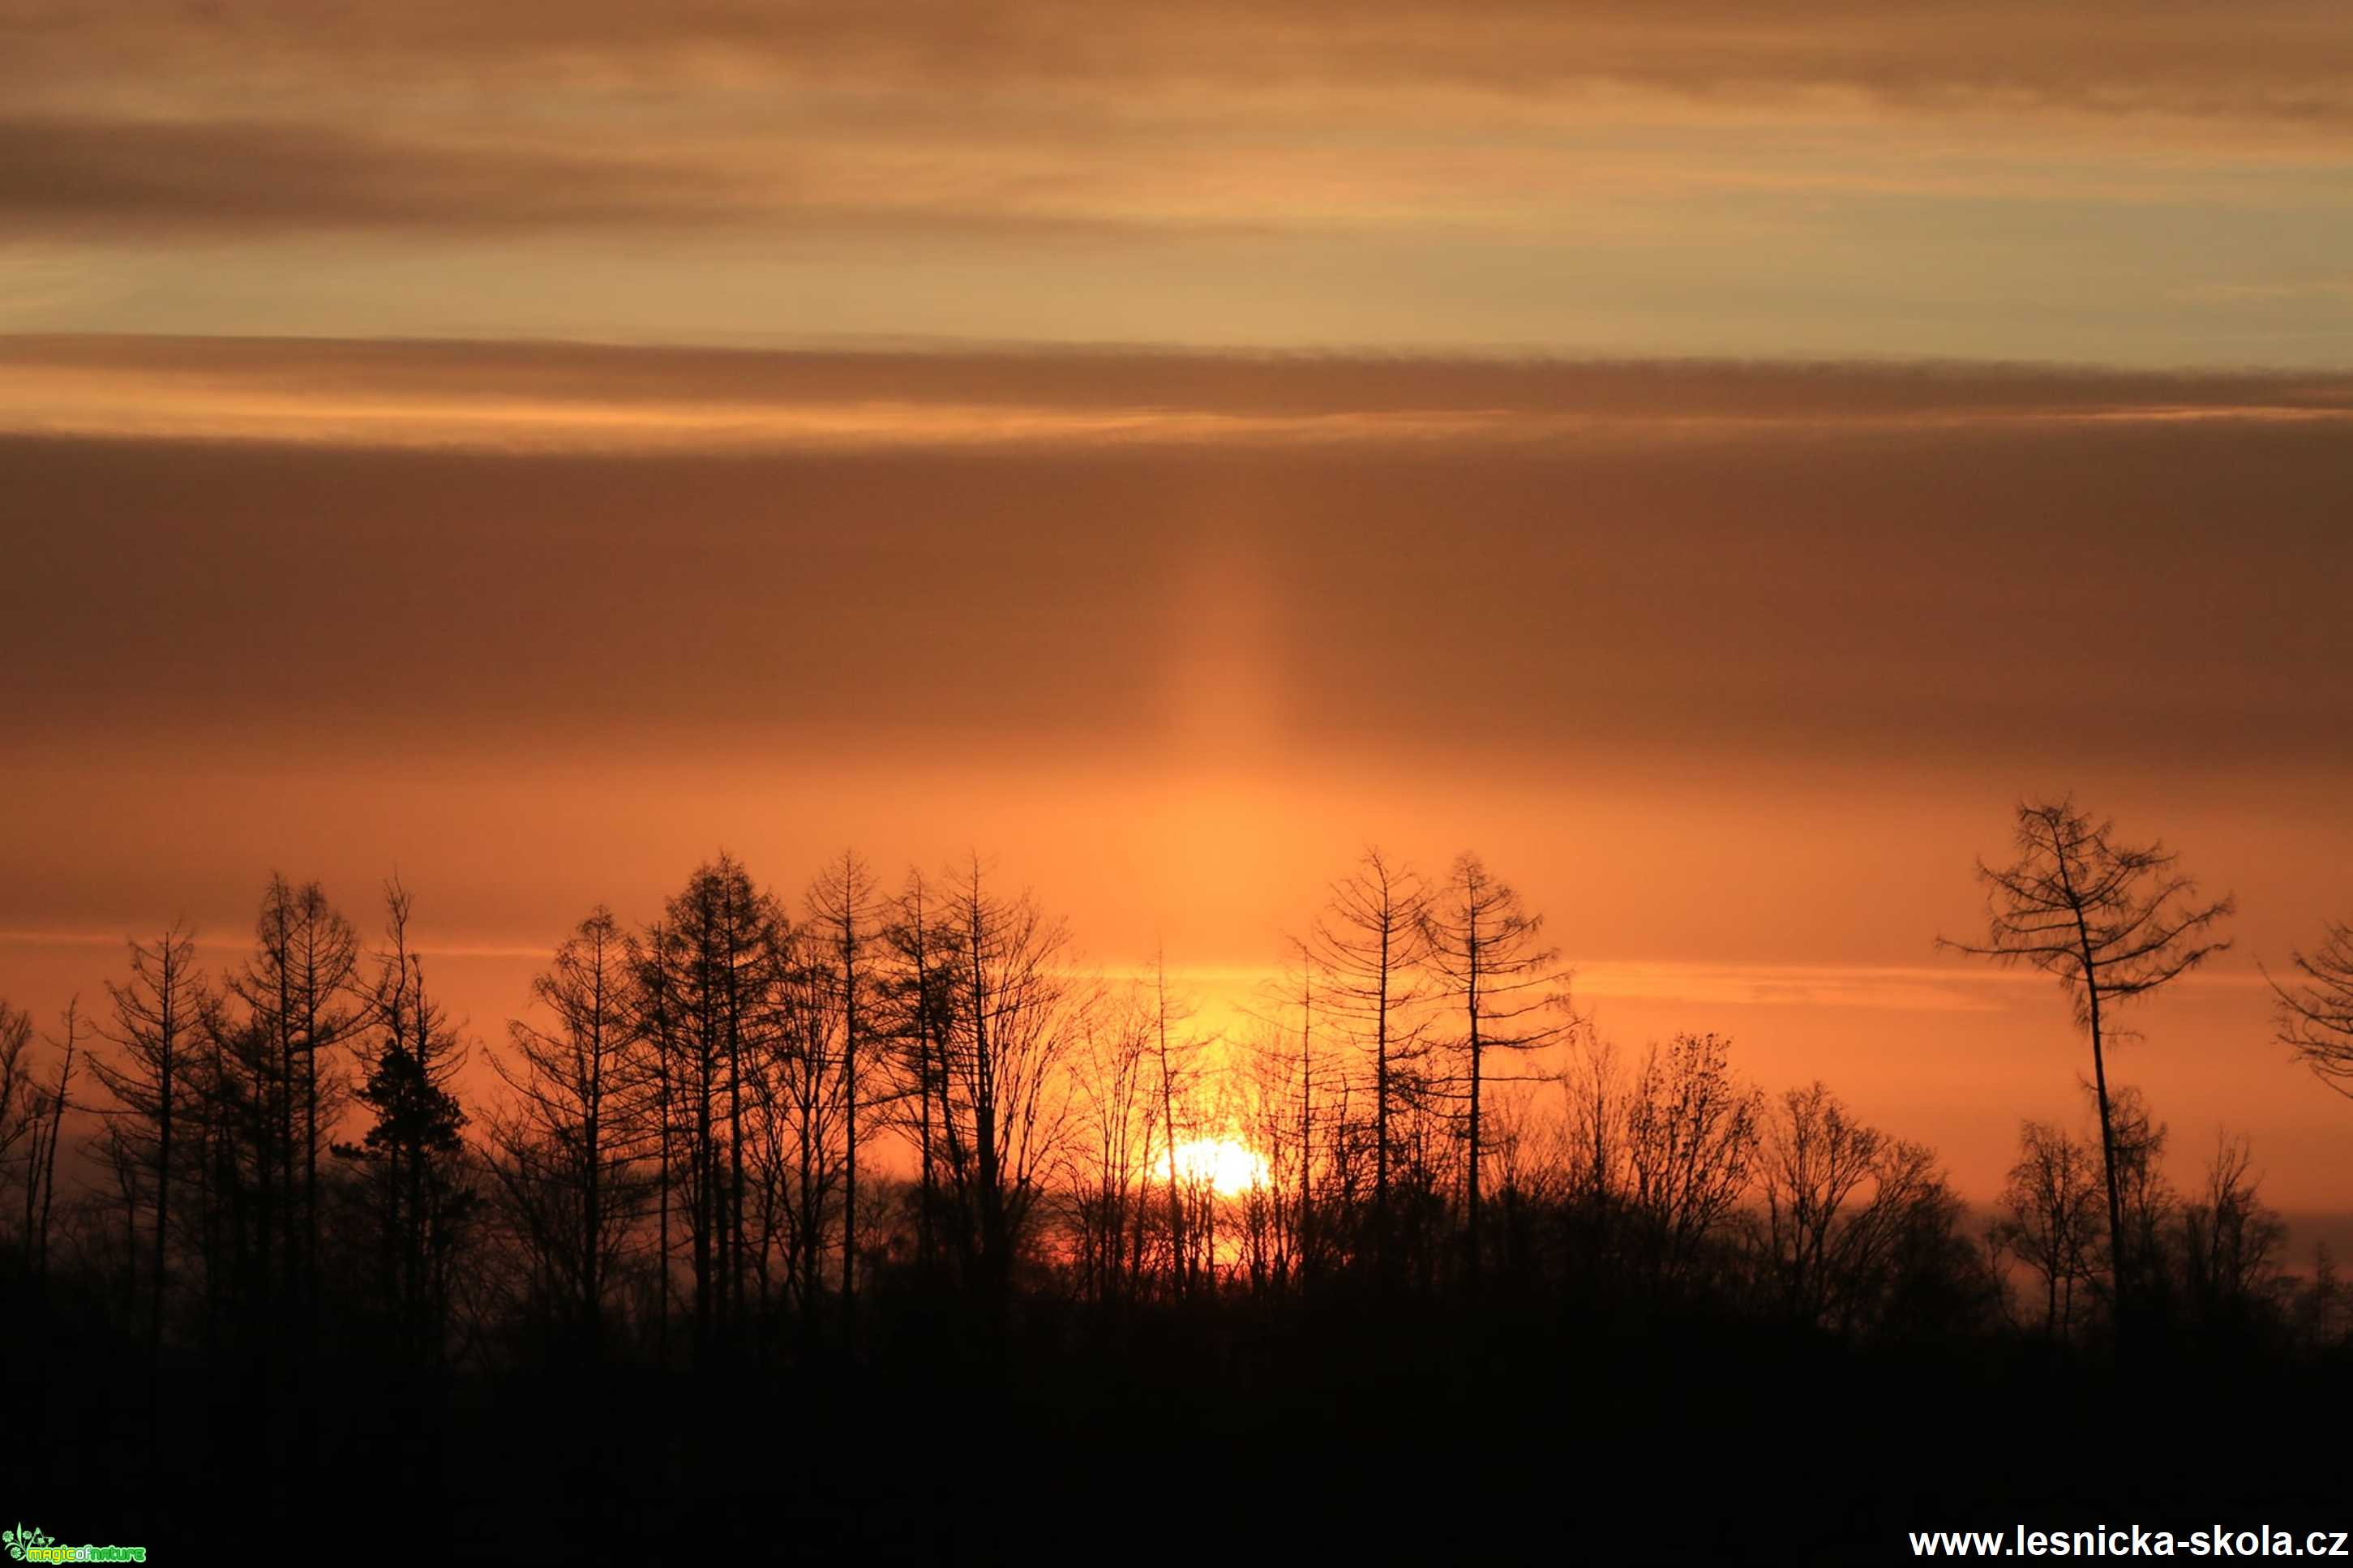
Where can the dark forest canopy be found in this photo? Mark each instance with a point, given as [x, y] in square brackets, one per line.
[847, 1134]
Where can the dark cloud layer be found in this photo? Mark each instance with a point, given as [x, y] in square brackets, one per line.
[1842, 588]
[83, 176]
[74, 174]
[2268, 58]
[257, 115]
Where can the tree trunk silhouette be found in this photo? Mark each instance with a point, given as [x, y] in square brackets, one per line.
[59, 1098]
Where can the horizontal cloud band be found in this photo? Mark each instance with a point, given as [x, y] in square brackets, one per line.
[501, 396]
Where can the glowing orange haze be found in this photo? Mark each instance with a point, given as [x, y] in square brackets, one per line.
[1734, 696]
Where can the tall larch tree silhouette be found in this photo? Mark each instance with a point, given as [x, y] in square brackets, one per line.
[1008, 1043]
[297, 990]
[844, 911]
[659, 1032]
[419, 1198]
[1173, 1071]
[1370, 944]
[917, 988]
[2113, 922]
[1285, 991]
[2316, 1008]
[800, 1148]
[1306, 1111]
[48, 1125]
[569, 1148]
[159, 1017]
[1505, 990]
[17, 1091]
[711, 972]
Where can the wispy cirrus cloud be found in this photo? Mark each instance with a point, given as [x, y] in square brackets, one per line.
[557, 396]
[1890, 989]
[259, 116]
[1958, 986]
[1833, 178]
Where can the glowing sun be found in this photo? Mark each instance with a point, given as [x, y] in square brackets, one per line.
[1232, 1168]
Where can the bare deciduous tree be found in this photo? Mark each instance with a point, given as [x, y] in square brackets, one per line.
[2048, 1216]
[1594, 1091]
[1118, 1110]
[1285, 1085]
[1175, 1070]
[2229, 1239]
[1840, 1199]
[1817, 1160]
[1691, 1129]
[2146, 1199]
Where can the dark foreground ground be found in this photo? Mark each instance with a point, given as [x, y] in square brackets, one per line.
[1338, 1433]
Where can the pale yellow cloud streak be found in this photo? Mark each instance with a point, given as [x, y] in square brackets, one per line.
[515, 397]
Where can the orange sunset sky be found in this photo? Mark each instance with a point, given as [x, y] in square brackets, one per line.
[1712, 459]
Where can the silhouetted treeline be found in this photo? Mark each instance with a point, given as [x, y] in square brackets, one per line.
[877, 1151]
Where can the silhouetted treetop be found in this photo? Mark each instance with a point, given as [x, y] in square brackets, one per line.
[2315, 1013]
[2111, 921]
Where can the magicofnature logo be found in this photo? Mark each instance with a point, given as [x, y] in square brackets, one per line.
[26, 1544]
